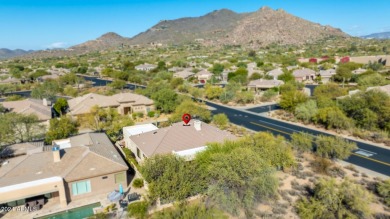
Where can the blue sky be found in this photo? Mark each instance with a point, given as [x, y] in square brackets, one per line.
[41, 24]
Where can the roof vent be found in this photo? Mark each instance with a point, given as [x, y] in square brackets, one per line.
[93, 168]
[5, 163]
[198, 125]
[39, 172]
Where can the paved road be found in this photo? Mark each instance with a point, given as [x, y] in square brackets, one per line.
[103, 82]
[367, 156]
[264, 109]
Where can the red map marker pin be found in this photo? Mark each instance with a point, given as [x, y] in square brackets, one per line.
[186, 118]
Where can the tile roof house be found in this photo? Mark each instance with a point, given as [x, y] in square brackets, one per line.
[326, 75]
[204, 75]
[124, 102]
[304, 74]
[10, 80]
[40, 108]
[145, 67]
[185, 73]
[263, 84]
[275, 73]
[179, 139]
[385, 89]
[74, 169]
[359, 71]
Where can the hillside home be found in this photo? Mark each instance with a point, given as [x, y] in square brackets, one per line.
[326, 75]
[71, 169]
[125, 103]
[185, 73]
[40, 108]
[182, 140]
[385, 89]
[145, 67]
[304, 74]
[263, 84]
[275, 73]
[204, 76]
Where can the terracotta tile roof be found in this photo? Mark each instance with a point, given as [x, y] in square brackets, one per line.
[178, 138]
[83, 104]
[136, 99]
[262, 83]
[30, 106]
[303, 72]
[276, 72]
[91, 154]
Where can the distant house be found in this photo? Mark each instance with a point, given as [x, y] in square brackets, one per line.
[72, 169]
[10, 80]
[204, 75]
[385, 89]
[359, 71]
[125, 103]
[145, 67]
[304, 74]
[275, 73]
[175, 69]
[136, 130]
[177, 139]
[40, 108]
[345, 59]
[326, 75]
[262, 84]
[185, 74]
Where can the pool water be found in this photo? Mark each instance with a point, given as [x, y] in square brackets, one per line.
[75, 213]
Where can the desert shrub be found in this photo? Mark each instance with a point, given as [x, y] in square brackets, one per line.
[321, 165]
[278, 210]
[384, 191]
[151, 114]
[138, 210]
[351, 168]
[336, 171]
[336, 200]
[138, 183]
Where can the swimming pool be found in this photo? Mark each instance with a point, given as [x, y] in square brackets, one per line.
[75, 213]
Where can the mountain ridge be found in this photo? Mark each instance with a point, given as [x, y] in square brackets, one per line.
[381, 35]
[9, 53]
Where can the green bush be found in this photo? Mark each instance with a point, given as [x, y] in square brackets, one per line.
[140, 115]
[384, 191]
[138, 209]
[151, 114]
[138, 183]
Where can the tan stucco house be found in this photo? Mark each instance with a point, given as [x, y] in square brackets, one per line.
[71, 169]
[179, 139]
[125, 103]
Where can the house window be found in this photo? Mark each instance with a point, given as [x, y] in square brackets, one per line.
[138, 153]
[82, 187]
[104, 177]
[120, 178]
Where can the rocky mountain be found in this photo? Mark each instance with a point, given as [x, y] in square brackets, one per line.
[216, 24]
[255, 29]
[106, 41]
[383, 35]
[8, 53]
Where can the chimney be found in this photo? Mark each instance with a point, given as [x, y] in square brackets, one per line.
[56, 153]
[197, 125]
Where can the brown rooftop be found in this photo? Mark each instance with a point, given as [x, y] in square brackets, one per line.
[30, 106]
[96, 157]
[178, 138]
